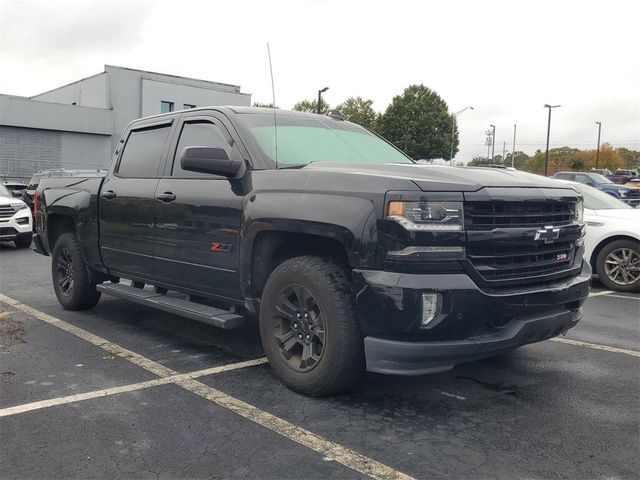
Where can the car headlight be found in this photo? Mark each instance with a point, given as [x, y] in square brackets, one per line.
[580, 212]
[427, 215]
[17, 206]
[622, 193]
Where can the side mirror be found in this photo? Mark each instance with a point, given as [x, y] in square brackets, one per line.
[211, 160]
[16, 193]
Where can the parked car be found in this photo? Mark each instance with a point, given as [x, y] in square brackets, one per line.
[628, 195]
[612, 242]
[347, 253]
[15, 220]
[27, 195]
[633, 183]
[16, 189]
[602, 171]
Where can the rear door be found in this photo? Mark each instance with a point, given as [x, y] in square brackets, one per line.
[199, 214]
[127, 201]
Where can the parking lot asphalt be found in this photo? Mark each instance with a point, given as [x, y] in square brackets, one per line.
[112, 393]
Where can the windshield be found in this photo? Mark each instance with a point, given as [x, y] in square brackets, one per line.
[303, 139]
[594, 199]
[3, 191]
[597, 178]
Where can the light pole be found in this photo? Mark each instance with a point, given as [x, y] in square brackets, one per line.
[513, 152]
[453, 125]
[493, 141]
[546, 155]
[319, 107]
[598, 150]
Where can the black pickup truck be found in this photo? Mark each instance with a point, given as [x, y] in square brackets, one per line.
[343, 252]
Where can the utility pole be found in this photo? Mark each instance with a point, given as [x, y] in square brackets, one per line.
[493, 142]
[598, 150]
[513, 152]
[546, 155]
[504, 150]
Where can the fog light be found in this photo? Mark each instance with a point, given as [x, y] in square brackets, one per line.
[22, 221]
[431, 307]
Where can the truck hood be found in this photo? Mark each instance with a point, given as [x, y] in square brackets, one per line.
[441, 178]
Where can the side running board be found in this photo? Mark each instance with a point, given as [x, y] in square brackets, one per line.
[176, 305]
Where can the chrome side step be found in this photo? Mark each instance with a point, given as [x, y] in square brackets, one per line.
[172, 304]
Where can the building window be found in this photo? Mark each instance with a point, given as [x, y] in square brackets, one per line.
[166, 107]
[187, 106]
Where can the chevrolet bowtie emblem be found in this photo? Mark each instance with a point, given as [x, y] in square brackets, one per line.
[548, 234]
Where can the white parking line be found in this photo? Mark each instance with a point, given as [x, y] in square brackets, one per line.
[328, 449]
[624, 296]
[597, 346]
[105, 392]
[599, 294]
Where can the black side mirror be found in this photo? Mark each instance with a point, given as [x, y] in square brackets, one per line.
[16, 193]
[211, 160]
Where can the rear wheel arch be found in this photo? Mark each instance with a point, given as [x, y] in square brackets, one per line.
[57, 225]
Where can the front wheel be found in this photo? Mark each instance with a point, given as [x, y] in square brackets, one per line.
[618, 266]
[309, 328]
[70, 275]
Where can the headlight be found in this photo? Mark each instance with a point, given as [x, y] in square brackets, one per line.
[17, 206]
[580, 212]
[427, 216]
[622, 193]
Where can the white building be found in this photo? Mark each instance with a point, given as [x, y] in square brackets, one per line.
[78, 125]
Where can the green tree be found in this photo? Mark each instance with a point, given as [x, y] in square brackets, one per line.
[358, 110]
[311, 106]
[418, 121]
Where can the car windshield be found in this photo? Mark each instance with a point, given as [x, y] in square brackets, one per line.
[3, 191]
[597, 178]
[303, 139]
[594, 199]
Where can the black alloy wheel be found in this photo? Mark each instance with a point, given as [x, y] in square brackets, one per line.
[300, 331]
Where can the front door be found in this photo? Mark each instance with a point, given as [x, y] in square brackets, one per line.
[127, 202]
[198, 215]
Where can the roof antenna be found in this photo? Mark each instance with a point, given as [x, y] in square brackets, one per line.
[275, 118]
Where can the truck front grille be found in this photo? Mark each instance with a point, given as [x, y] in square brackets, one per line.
[490, 215]
[501, 240]
[7, 211]
[499, 262]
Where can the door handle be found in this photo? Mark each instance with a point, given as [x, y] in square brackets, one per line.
[109, 194]
[166, 197]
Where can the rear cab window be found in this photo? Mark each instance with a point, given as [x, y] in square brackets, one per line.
[143, 152]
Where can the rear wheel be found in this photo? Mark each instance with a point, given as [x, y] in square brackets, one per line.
[23, 241]
[309, 328]
[618, 266]
[70, 275]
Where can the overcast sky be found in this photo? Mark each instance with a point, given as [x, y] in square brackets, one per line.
[507, 59]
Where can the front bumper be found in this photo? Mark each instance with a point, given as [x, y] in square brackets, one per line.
[16, 226]
[473, 324]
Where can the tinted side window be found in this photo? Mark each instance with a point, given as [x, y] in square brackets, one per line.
[199, 134]
[565, 176]
[143, 153]
[582, 179]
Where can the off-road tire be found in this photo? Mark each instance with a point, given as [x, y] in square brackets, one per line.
[607, 250]
[82, 294]
[341, 363]
[23, 241]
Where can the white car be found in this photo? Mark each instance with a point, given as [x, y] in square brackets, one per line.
[612, 243]
[16, 223]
